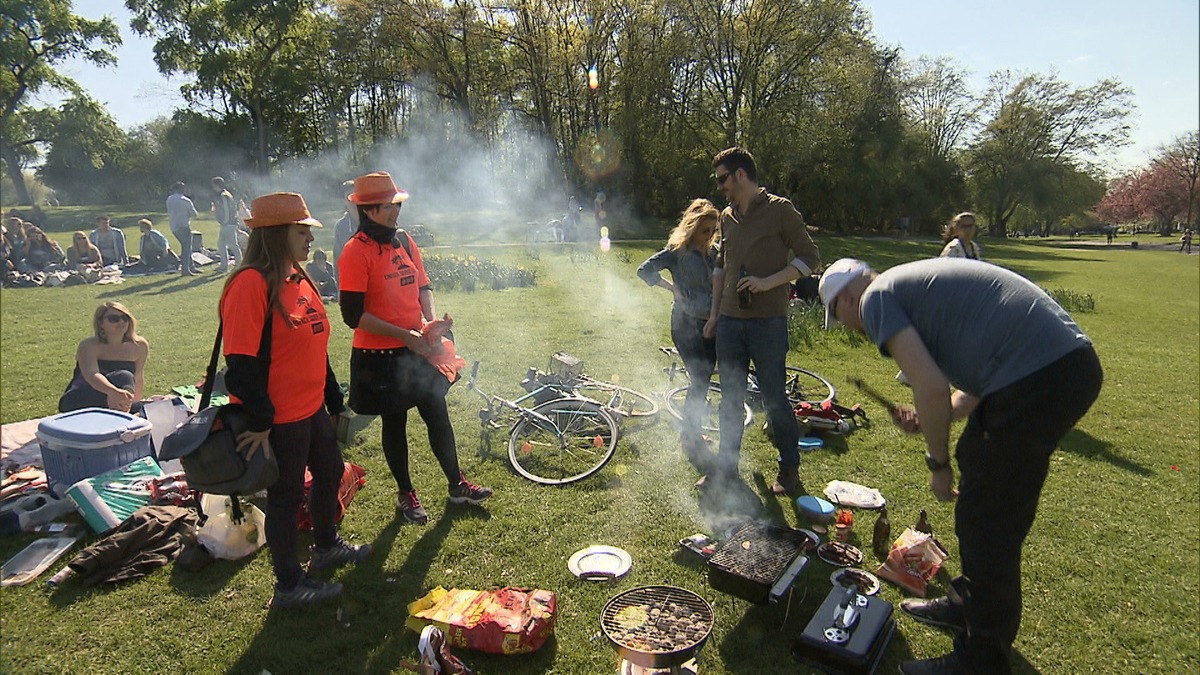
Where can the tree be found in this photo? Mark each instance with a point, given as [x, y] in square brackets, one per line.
[1039, 126]
[938, 104]
[1181, 161]
[1159, 192]
[35, 36]
[80, 164]
[243, 54]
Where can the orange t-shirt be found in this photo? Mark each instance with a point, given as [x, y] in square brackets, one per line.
[296, 381]
[391, 282]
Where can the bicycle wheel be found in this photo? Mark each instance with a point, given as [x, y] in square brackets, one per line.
[806, 386]
[575, 440]
[624, 401]
[675, 399]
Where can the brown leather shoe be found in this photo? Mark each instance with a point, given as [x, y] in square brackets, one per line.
[787, 481]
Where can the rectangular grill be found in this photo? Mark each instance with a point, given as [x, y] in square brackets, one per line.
[758, 562]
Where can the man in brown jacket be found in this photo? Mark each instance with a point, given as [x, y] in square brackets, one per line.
[764, 247]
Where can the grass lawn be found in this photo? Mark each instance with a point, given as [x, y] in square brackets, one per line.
[1111, 568]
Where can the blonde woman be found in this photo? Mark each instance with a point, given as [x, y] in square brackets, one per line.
[83, 253]
[690, 256]
[959, 237]
[110, 365]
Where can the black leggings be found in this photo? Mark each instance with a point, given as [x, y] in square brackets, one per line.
[441, 438]
[84, 396]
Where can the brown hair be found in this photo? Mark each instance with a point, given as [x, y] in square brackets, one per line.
[737, 158]
[696, 214]
[267, 251]
[950, 232]
[98, 321]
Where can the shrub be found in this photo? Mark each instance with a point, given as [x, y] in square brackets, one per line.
[1073, 301]
[470, 273]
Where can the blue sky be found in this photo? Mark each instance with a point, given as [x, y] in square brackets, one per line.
[1152, 46]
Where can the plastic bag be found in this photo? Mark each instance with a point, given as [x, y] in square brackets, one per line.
[914, 559]
[225, 538]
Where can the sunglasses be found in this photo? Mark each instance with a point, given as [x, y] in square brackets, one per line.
[721, 177]
[116, 318]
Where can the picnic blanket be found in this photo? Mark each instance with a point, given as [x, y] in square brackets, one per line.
[19, 445]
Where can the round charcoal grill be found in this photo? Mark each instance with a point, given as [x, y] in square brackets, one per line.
[657, 626]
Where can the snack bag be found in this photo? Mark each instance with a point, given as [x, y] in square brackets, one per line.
[915, 557]
[503, 621]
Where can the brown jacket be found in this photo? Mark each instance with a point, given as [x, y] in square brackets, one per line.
[765, 239]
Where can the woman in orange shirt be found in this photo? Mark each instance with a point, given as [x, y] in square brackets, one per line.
[386, 298]
[276, 335]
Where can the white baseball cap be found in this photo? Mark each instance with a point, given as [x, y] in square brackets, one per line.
[835, 278]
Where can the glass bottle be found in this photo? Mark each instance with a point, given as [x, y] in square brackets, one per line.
[923, 523]
[881, 539]
[744, 296]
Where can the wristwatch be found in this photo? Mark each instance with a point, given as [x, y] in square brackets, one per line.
[935, 465]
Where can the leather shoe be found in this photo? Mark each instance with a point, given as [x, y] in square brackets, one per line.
[787, 481]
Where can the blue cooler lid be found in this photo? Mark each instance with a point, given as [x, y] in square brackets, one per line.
[815, 507]
[93, 425]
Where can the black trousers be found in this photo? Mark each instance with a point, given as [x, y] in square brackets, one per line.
[1003, 457]
[307, 443]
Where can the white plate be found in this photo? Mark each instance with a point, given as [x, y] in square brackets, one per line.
[873, 581]
[600, 562]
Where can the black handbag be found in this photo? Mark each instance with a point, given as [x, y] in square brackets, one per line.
[206, 444]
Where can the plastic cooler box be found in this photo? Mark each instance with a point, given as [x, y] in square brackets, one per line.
[84, 443]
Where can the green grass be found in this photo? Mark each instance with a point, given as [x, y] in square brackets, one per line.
[1111, 568]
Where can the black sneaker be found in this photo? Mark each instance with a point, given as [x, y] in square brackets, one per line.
[939, 612]
[467, 492]
[307, 592]
[408, 506]
[943, 665]
[337, 555]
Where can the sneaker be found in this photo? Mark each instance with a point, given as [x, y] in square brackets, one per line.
[937, 612]
[467, 492]
[307, 592]
[943, 665]
[787, 481]
[337, 555]
[410, 507]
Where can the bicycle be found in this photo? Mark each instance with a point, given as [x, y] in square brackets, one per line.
[555, 442]
[565, 379]
[800, 385]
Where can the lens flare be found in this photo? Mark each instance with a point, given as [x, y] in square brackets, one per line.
[605, 244]
[598, 154]
[593, 78]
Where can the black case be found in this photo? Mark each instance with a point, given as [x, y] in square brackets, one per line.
[869, 637]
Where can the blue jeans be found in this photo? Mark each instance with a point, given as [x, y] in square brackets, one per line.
[699, 360]
[765, 342]
[186, 264]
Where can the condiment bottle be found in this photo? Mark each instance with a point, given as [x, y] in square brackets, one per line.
[923, 523]
[881, 539]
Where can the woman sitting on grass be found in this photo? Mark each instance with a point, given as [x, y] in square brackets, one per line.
[109, 366]
[41, 254]
[83, 254]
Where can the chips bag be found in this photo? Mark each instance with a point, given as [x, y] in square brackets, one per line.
[915, 557]
[503, 621]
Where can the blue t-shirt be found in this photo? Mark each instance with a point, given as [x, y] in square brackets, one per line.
[985, 326]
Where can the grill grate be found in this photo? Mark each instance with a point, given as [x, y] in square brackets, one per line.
[757, 552]
[657, 620]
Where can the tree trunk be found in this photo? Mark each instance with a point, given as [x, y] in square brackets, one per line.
[15, 175]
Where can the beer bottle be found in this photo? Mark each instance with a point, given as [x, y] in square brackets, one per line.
[881, 539]
[744, 296]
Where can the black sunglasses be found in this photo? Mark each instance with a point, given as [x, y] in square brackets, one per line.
[721, 177]
[115, 318]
